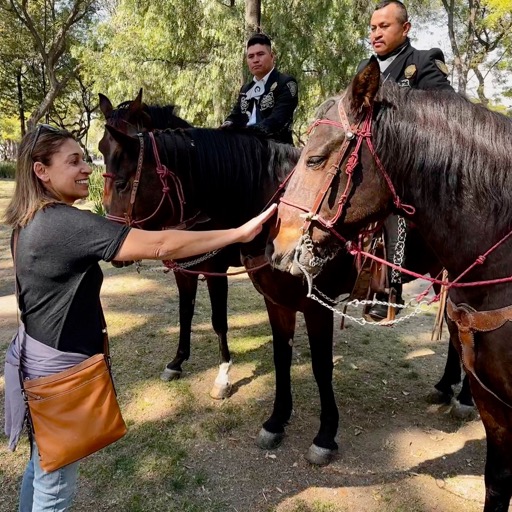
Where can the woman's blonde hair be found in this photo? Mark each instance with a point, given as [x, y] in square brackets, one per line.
[30, 195]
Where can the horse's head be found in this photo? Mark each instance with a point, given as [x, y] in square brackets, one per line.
[121, 149]
[140, 189]
[336, 187]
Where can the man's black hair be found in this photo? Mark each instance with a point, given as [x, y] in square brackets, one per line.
[259, 39]
[403, 17]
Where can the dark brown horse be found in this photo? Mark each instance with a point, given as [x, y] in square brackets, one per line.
[230, 177]
[450, 160]
[133, 117]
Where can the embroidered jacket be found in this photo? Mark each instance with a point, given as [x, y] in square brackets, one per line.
[274, 108]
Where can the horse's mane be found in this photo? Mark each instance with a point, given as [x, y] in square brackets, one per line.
[223, 161]
[165, 117]
[462, 151]
[162, 117]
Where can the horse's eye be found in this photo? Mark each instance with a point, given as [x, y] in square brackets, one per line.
[314, 161]
[120, 185]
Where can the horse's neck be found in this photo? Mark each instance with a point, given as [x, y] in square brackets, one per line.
[217, 184]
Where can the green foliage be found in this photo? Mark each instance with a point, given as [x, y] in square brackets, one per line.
[39, 64]
[190, 52]
[320, 44]
[7, 170]
[497, 12]
[480, 41]
[96, 182]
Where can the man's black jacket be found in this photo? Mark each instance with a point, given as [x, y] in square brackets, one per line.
[418, 69]
[274, 108]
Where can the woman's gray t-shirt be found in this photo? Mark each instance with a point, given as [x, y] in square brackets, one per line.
[59, 278]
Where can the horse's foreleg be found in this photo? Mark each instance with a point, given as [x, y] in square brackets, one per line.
[490, 386]
[187, 290]
[443, 390]
[282, 322]
[218, 290]
[319, 323]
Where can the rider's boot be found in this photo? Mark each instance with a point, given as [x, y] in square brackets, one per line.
[380, 311]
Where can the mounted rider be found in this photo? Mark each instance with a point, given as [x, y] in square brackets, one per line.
[411, 68]
[267, 102]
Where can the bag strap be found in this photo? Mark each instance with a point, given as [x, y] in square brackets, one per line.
[28, 417]
[16, 290]
[106, 346]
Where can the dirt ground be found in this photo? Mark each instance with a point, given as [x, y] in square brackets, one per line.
[397, 452]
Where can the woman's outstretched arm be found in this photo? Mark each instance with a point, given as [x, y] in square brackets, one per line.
[175, 244]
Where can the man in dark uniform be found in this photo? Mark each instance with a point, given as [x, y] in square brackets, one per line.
[408, 67]
[267, 102]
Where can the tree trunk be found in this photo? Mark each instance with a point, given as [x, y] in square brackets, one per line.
[252, 17]
[21, 107]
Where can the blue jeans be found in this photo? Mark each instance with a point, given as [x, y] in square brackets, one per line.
[47, 492]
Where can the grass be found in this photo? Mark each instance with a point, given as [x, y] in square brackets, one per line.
[316, 506]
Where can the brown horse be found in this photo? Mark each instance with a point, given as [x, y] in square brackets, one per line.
[230, 177]
[378, 148]
[133, 117]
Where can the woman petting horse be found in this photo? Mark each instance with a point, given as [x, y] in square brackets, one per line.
[135, 116]
[446, 162]
[57, 249]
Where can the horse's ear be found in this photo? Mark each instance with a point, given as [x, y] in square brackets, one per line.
[105, 105]
[123, 139]
[365, 85]
[136, 104]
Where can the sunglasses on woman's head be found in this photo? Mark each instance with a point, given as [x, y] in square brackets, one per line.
[40, 127]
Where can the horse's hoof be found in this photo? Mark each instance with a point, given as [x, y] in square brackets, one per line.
[219, 392]
[438, 397]
[463, 412]
[320, 456]
[269, 441]
[169, 374]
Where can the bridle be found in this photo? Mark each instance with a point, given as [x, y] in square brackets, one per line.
[170, 183]
[359, 131]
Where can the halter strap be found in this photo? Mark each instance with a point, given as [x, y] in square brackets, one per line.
[361, 130]
[163, 174]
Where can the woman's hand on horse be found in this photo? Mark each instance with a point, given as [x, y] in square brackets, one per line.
[250, 229]
[174, 244]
